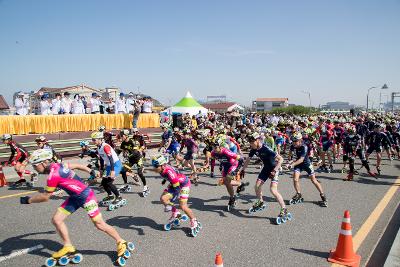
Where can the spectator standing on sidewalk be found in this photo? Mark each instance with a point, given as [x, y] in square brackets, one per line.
[120, 106]
[77, 105]
[45, 105]
[95, 103]
[66, 104]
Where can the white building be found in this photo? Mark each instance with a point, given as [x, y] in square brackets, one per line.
[267, 104]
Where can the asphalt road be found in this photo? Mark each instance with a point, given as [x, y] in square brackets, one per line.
[243, 239]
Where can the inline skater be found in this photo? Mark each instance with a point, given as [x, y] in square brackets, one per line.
[191, 154]
[272, 163]
[113, 167]
[374, 141]
[62, 175]
[302, 163]
[132, 152]
[179, 187]
[18, 159]
[108, 136]
[137, 137]
[171, 143]
[42, 143]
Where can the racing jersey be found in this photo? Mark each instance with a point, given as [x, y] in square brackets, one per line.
[302, 152]
[190, 144]
[351, 144]
[225, 156]
[176, 179]
[107, 154]
[62, 177]
[266, 155]
[18, 149]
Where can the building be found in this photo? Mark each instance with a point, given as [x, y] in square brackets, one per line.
[337, 105]
[4, 107]
[267, 104]
[223, 107]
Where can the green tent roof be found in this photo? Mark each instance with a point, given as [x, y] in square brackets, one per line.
[188, 101]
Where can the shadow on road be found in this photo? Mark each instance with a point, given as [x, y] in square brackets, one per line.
[134, 223]
[319, 254]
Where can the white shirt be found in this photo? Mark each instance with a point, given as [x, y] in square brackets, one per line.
[45, 107]
[78, 107]
[129, 104]
[120, 106]
[56, 106]
[21, 106]
[147, 106]
[95, 104]
[66, 105]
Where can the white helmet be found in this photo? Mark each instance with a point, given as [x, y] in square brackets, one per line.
[97, 135]
[40, 155]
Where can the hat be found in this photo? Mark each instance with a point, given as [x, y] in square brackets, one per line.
[94, 94]
[67, 93]
[21, 94]
[131, 94]
[121, 94]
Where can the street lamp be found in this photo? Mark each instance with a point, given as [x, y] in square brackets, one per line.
[373, 87]
[384, 87]
[309, 96]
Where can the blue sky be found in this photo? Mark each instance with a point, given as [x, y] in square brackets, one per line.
[244, 49]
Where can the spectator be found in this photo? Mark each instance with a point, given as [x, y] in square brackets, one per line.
[66, 104]
[130, 102]
[45, 105]
[95, 103]
[77, 105]
[136, 112]
[147, 105]
[85, 106]
[120, 106]
[56, 104]
[21, 105]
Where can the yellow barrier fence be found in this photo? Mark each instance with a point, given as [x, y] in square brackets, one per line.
[38, 124]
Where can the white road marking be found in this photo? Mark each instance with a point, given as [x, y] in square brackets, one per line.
[20, 252]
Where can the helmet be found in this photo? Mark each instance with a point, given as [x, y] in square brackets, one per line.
[219, 141]
[40, 139]
[297, 137]
[164, 125]
[135, 130]
[97, 135]
[83, 143]
[102, 128]
[351, 130]
[176, 129]
[254, 137]
[158, 161]
[6, 137]
[40, 155]
[124, 132]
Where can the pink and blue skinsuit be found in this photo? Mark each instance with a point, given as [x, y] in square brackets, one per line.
[228, 159]
[179, 183]
[80, 195]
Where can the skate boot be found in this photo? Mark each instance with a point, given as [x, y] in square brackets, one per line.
[373, 174]
[212, 174]
[117, 203]
[283, 216]
[171, 221]
[124, 252]
[231, 203]
[323, 202]
[195, 227]
[349, 177]
[241, 188]
[107, 200]
[378, 170]
[19, 183]
[257, 206]
[125, 188]
[64, 256]
[146, 191]
[296, 199]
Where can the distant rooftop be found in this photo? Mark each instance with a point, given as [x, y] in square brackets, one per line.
[3, 103]
[277, 99]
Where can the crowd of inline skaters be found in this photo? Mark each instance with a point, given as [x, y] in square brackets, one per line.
[274, 144]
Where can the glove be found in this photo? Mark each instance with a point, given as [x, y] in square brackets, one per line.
[163, 182]
[272, 174]
[24, 200]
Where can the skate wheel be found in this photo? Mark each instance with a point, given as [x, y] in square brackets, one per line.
[111, 207]
[121, 261]
[250, 210]
[184, 218]
[289, 216]
[167, 227]
[127, 254]
[278, 220]
[124, 202]
[283, 219]
[177, 222]
[64, 260]
[199, 225]
[51, 262]
[194, 232]
[131, 246]
[291, 202]
[229, 207]
[129, 189]
[77, 258]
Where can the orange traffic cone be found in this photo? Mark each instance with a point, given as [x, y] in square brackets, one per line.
[3, 181]
[218, 260]
[344, 253]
